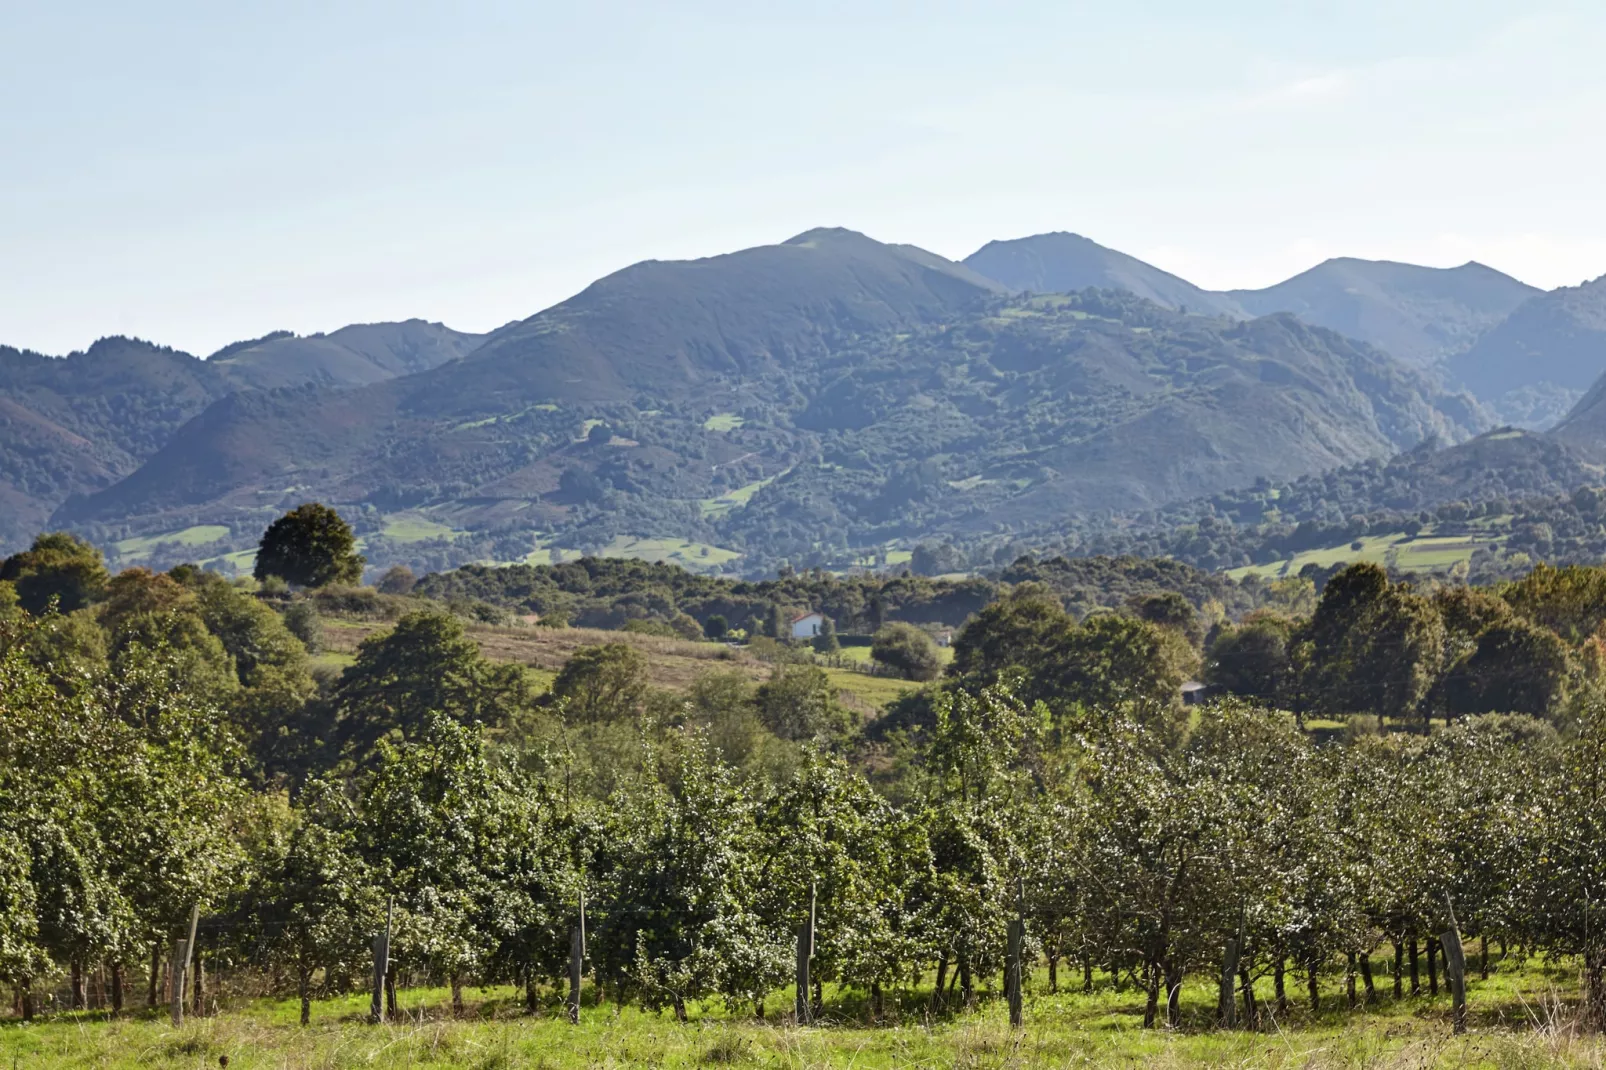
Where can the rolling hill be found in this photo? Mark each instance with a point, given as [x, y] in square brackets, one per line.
[1421, 315]
[1065, 263]
[793, 401]
[1541, 358]
[352, 356]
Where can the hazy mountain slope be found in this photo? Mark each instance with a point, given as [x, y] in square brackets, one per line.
[879, 398]
[1047, 408]
[352, 356]
[1543, 356]
[76, 424]
[705, 332]
[1419, 314]
[1064, 263]
[667, 328]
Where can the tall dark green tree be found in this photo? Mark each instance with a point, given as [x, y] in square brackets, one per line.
[310, 546]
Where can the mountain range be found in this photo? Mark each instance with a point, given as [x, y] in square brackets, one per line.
[806, 401]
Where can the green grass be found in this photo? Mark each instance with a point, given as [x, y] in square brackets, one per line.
[735, 499]
[692, 555]
[199, 535]
[1425, 553]
[1517, 1019]
[874, 691]
[415, 527]
[723, 421]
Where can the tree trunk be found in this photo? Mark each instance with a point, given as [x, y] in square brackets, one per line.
[117, 988]
[390, 991]
[1151, 1010]
[75, 971]
[1349, 979]
[25, 988]
[967, 990]
[878, 1005]
[457, 996]
[1483, 957]
[1310, 983]
[532, 1003]
[1366, 978]
[1416, 976]
[680, 1009]
[1399, 969]
[1053, 975]
[1251, 1008]
[1433, 968]
[1173, 996]
[304, 988]
[942, 979]
[156, 970]
[1279, 986]
[1087, 976]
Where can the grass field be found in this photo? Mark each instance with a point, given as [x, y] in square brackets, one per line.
[415, 527]
[200, 535]
[1523, 1018]
[1424, 553]
[723, 421]
[692, 555]
[735, 499]
[671, 663]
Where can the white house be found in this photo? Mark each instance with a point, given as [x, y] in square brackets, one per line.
[807, 626]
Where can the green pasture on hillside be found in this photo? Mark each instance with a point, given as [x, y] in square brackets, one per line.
[199, 535]
[723, 421]
[1423, 553]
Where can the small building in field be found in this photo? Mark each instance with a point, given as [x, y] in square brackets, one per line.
[808, 625]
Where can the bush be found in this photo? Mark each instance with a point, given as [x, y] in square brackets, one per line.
[908, 651]
[303, 621]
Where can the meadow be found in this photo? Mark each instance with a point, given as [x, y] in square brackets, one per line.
[1520, 1017]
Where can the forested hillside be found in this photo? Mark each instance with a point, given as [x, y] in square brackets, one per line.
[975, 412]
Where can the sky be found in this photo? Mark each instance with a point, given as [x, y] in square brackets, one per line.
[196, 173]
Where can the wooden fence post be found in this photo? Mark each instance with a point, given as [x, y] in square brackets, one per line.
[1455, 970]
[577, 955]
[181, 950]
[1013, 972]
[805, 951]
[181, 965]
[1227, 1000]
[376, 1001]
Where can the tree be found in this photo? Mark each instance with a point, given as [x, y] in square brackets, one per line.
[1516, 667]
[423, 667]
[59, 567]
[1011, 633]
[798, 702]
[315, 902]
[310, 546]
[908, 651]
[1253, 660]
[826, 642]
[715, 627]
[1170, 610]
[599, 684]
[398, 579]
[600, 434]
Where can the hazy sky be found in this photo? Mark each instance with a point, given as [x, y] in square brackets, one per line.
[201, 172]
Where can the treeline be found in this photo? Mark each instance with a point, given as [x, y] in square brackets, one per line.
[609, 592]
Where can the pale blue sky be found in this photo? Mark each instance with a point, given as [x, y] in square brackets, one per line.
[200, 172]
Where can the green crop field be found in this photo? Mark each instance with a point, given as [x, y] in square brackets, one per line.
[199, 535]
[723, 421]
[1424, 553]
[1518, 1018]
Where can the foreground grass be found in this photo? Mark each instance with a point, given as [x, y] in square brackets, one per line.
[1522, 1018]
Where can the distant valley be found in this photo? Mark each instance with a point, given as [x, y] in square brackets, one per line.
[823, 401]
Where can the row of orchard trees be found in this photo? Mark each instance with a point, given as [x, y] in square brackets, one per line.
[1134, 848]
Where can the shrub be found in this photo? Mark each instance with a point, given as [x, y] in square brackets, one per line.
[908, 651]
